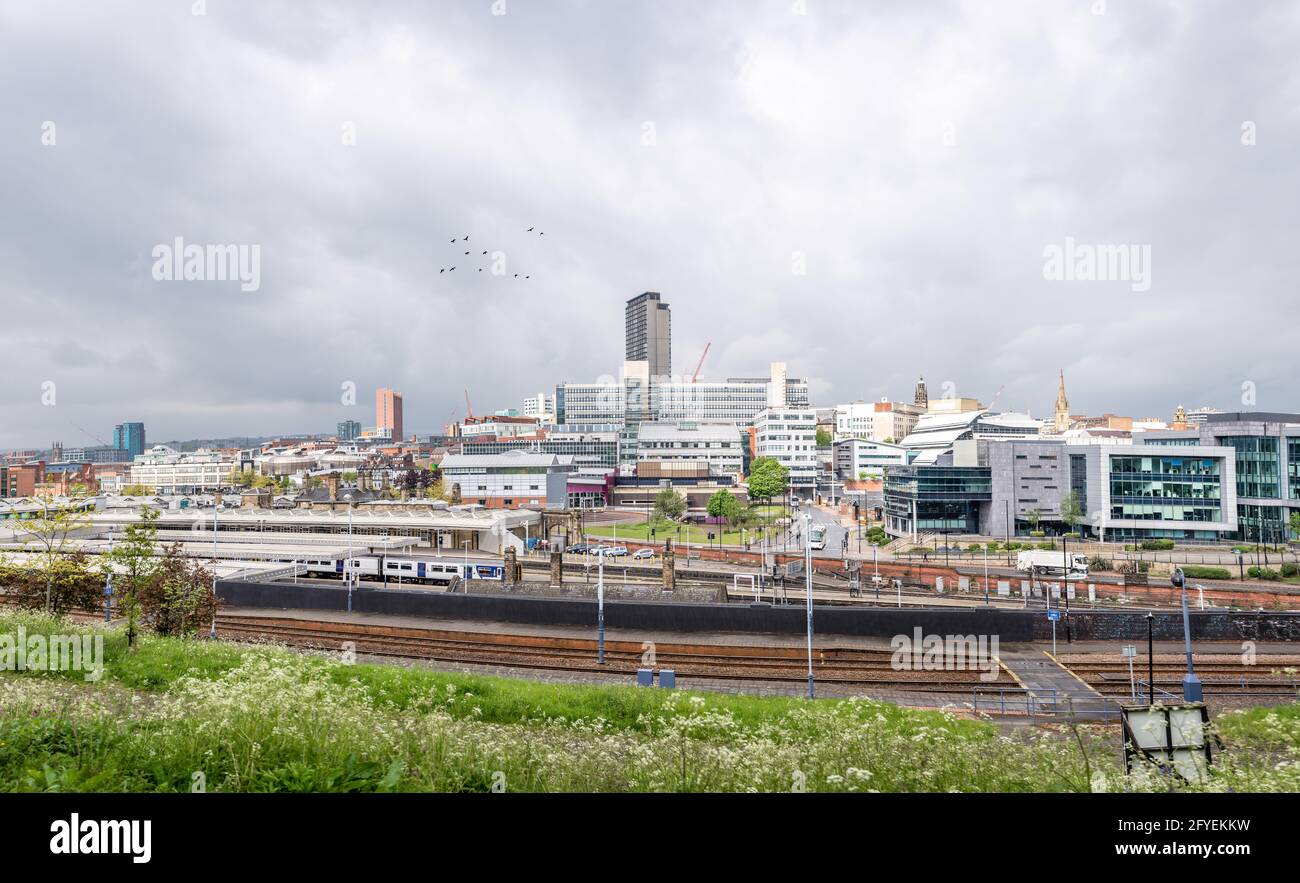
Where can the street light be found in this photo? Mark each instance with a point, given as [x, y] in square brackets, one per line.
[1192, 689]
[347, 570]
[807, 567]
[600, 608]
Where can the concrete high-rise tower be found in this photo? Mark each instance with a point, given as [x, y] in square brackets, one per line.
[649, 333]
[922, 397]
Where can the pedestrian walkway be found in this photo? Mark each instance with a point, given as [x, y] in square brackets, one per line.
[1042, 675]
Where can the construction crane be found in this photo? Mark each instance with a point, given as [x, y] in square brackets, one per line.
[469, 409]
[996, 396]
[700, 364]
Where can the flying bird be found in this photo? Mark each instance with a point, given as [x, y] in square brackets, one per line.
[530, 229]
[467, 237]
[453, 268]
[443, 270]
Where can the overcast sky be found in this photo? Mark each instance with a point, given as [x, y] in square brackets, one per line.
[865, 191]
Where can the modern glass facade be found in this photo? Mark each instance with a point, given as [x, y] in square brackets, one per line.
[1258, 465]
[129, 437]
[945, 499]
[1293, 466]
[1261, 524]
[1165, 488]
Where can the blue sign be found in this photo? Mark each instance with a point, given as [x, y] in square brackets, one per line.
[1054, 615]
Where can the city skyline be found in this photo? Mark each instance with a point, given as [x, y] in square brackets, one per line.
[730, 159]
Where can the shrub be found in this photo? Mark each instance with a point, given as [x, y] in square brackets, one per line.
[1048, 546]
[1096, 562]
[1265, 573]
[975, 547]
[1289, 569]
[1157, 545]
[992, 547]
[1038, 533]
[1192, 571]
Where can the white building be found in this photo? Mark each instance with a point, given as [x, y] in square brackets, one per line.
[541, 407]
[882, 421]
[718, 444]
[789, 436]
[169, 471]
[499, 426]
[515, 480]
[858, 459]
[636, 396]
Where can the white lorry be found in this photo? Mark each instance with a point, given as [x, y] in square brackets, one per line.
[1053, 563]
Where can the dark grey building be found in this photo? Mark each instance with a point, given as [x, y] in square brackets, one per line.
[649, 333]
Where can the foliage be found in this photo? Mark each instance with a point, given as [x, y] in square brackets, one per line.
[768, 479]
[1097, 562]
[669, 505]
[136, 565]
[823, 438]
[67, 583]
[1035, 516]
[265, 719]
[1290, 569]
[1157, 545]
[138, 490]
[723, 505]
[178, 597]
[1071, 511]
[47, 532]
[1267, 574]
[1196, 571]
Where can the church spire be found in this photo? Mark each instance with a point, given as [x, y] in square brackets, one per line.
[1062, 406]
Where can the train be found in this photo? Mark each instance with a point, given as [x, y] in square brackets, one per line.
[402, 568]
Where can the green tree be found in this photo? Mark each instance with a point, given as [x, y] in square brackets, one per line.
[178, 597]
[138, 490]
[1071, 511]
[68, 583]
[768, 479]
[669, 505]
[1035, 516]
[724, 505]
[48, 531]
[1295, 524]
[823, 438]
[136, 565]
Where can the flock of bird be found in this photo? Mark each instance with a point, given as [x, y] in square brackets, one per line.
[465, 238]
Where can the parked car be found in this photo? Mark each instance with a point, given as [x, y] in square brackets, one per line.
[578, 549]
[643, 553]
[616, 551]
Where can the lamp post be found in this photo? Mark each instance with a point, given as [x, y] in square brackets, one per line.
[1192, 689]
[600, 608]
[216, 509]
[1151, 659]
[347, 569]
[807, 567]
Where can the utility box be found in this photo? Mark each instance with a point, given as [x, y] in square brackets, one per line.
[645, 677]
[668, 678]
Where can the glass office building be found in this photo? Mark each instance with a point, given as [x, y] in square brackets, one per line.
[935, 499]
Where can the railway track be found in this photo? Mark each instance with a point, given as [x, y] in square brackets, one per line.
[1220, 674]
[848, 667]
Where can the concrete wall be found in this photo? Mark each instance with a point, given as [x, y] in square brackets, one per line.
[645, 615]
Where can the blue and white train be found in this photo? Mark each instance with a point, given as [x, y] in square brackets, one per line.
[399, 568]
